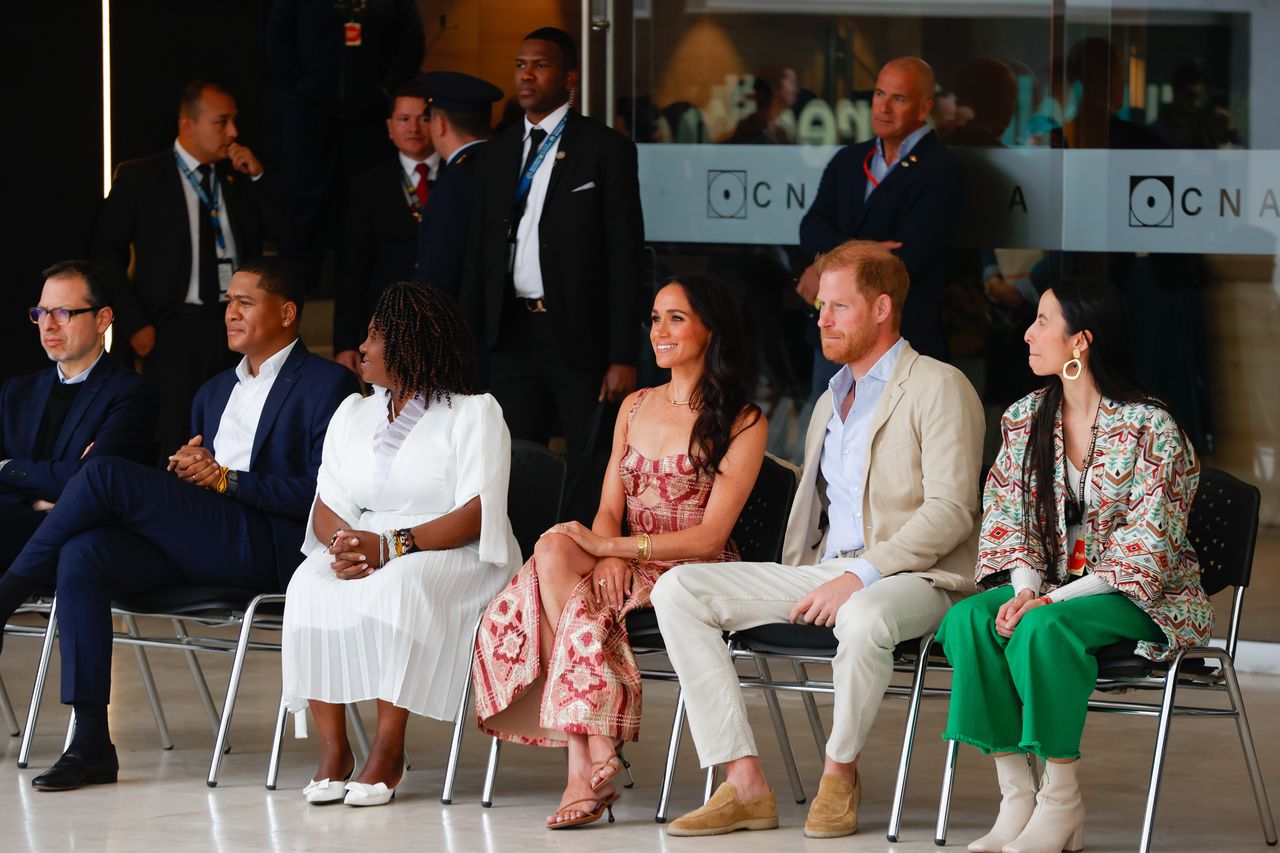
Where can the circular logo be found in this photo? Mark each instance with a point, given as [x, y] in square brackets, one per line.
[1151, 202]
[727, 195]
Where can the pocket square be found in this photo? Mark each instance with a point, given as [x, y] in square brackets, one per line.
[589, 185]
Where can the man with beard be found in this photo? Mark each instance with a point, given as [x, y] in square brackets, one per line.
[881, 540]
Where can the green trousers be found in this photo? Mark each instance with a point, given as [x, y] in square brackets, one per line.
[1030, 692]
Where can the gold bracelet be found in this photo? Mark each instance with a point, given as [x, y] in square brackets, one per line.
[221, 486]
[644, 547]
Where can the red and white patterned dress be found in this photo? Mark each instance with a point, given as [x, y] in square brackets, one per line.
[592, 682]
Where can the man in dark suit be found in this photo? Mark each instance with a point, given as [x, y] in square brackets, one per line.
[554, 254]
[88, 405]
[191, 215]
[459, 107]
[902, 188]
[383, 218]
[231, 517]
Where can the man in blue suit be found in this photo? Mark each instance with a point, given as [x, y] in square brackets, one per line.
[89, 405]
[902, 188]
[229, 513]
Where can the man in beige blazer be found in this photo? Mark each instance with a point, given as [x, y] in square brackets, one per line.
[882, 538]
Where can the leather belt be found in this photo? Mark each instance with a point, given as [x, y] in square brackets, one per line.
[533, 306]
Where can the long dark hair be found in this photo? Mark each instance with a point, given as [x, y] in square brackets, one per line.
[427, 345]
[1097, 307]
[723, 394]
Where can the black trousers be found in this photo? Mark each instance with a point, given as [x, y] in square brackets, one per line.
[191, 347]
[122, 528]
[541, 393]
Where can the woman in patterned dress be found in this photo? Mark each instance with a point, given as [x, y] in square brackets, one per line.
[553, 666]
[1088, 504]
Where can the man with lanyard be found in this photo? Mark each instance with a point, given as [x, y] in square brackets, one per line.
[383, 219]
[459, 110]
[902, 188]
[554, 257]
[185, 219]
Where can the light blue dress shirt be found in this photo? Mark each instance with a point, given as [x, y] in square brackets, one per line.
[844, 459]
[82, 376]
[880, 169]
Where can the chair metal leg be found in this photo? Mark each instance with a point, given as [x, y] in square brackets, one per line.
[6, 707]
[908, 738]
[944, 801]
[626, 768]
[673, 753]
[357, 724]
[459, 726]
[1157, 761]
[149, 684]
[197, 675]
[71, 730]
[811, 710]
[491, 773]
[710, 787]
[233, 686]
[277, 744]
[37, 689]
[1250, 754]
[780, 729]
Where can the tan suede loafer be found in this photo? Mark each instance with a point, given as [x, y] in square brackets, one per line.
[834, 812]
[724, 812]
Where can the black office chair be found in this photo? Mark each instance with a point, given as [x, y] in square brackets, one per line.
[534, 499]
[1223, 528]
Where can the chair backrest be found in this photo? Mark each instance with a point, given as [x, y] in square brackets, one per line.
[763, 521]
[1223, 528]
[535, 492]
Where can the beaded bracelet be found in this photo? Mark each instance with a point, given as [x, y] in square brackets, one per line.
[221, 486]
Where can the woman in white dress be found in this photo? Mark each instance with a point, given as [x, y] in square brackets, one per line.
[408, 540]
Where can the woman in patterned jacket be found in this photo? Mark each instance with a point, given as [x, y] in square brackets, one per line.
[1084, 543]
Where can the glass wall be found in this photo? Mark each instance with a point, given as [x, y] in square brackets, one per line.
[1132, 140]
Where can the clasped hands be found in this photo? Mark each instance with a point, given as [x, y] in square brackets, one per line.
[194, 463]
[611, 576]
[1012, 611]
[351, 550]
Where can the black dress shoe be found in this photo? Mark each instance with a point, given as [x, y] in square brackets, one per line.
[72, 771]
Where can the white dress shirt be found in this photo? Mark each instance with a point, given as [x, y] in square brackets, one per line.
[410, 167]
[239, 423]
[844, 459]
[193, 223]
[528, 270]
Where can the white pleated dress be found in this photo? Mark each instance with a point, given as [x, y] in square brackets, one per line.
[402, 634]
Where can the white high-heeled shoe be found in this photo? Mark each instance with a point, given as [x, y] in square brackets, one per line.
[1018, 801]
[320, 792]
[1058, 821]
[377, 794]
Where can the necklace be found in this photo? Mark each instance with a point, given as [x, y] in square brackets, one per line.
[1075, 506]
[674, 401]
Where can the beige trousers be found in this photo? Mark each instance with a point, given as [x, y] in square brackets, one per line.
[695, 603]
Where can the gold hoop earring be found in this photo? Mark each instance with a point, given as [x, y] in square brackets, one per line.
[1079, 366]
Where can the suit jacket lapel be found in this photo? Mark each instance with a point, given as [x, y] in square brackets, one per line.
[92, 386]
[178, 213]
[217, 405]
[280, 390]
[28, 427]
[231, 198]
[562, 157]
[896, 175]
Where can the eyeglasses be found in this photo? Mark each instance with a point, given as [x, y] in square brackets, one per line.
[59, 315]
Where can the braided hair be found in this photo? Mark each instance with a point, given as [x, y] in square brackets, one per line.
[427, 345]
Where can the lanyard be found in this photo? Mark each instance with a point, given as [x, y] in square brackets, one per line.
[866, 167]
[526, 180]
[411, 195]
[210, 205]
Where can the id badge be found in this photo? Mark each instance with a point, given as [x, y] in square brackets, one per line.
[353, 33]
[225, 271]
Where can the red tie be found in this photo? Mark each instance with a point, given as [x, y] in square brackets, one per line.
[423, 189]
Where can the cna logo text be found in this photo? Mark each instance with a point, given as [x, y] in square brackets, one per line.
[1156, 200]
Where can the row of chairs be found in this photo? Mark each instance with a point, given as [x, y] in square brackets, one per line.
[1223, 529]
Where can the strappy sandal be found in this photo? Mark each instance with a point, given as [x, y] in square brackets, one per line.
[617, 761]
[602, 805]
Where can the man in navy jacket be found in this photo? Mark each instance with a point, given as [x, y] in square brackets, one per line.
[902, 188]
[230, 513]
[88, 405]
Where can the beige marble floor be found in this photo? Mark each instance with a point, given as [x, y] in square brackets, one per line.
[162, 803]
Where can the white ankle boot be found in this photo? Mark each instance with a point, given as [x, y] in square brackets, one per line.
[1058, 821]
[1018, 801]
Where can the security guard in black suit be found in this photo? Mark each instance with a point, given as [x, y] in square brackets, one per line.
[459, 108]
[385, 208]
